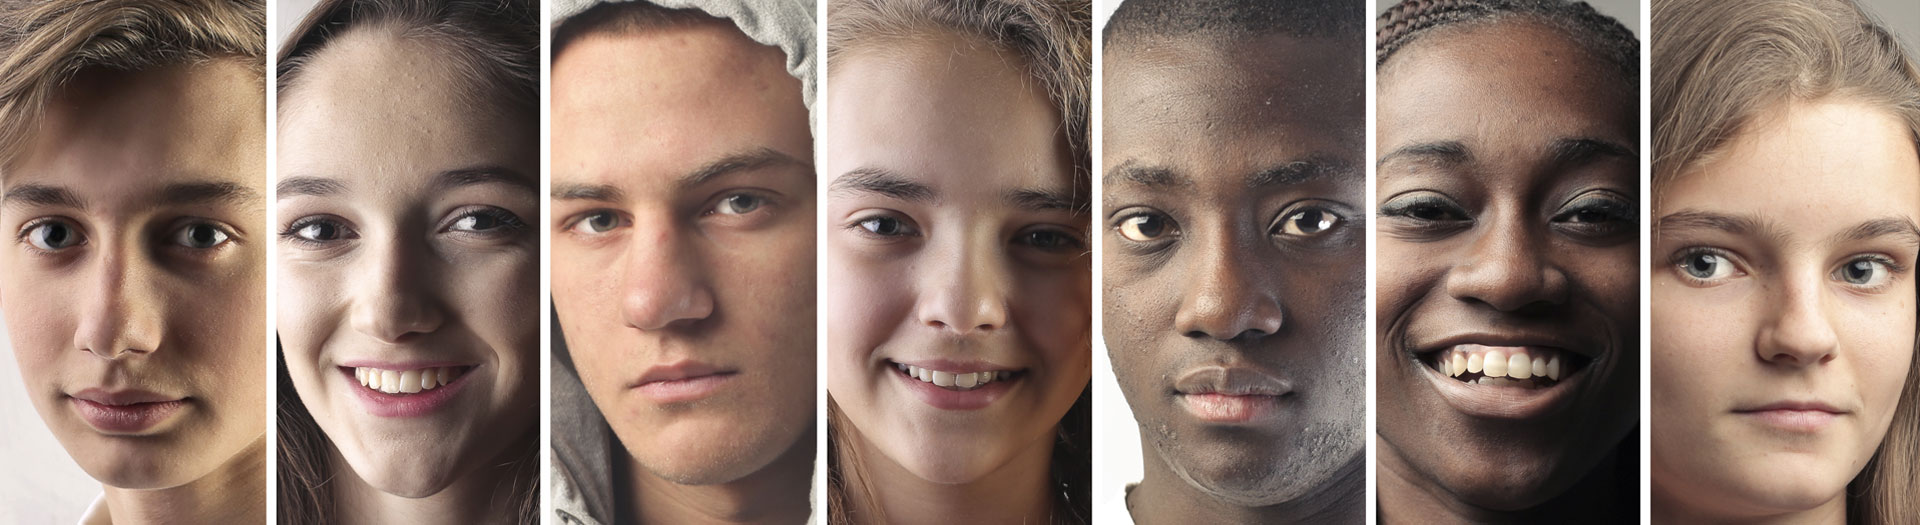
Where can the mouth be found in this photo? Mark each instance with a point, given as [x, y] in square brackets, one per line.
[397, 392]
[682, 382]
[125, 412]
[1521, 381]
[955, 381]
[956, 386]
[1797, 417]
[407, 381]
[1218, 394]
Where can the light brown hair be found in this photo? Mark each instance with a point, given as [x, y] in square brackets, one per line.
[1719, 66]
[44, 44]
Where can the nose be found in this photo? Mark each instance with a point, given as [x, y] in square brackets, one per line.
[1227, 298]
[664, 284]
[121, 313]
[965, 291]
[1509, 268]
[396, 297]
[1798, 333]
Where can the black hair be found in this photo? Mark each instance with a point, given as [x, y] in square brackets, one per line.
[1605, 37]
[1135, 19]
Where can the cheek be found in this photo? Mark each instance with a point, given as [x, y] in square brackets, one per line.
[1612, 275]
[868, 299]
[1885, 338]
[311, 309]
[497, 296]
[1405, 273]
[1055, 311]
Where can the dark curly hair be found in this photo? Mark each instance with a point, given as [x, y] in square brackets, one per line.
[1598, 33]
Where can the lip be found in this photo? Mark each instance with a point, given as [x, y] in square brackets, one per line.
[382, 404]
[1803, 417]
[1229, 395]
[955, 400]
[681, 382]
[125, 412]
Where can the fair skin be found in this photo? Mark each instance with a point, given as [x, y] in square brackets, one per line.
[1796, 242]
[404, 246]
[683, 267]
[957, 242]
[139, 216]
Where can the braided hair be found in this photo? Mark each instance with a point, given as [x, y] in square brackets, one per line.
[1598, 33]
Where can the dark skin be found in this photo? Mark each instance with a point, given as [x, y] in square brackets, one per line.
[1235, 239]
[1508, 196]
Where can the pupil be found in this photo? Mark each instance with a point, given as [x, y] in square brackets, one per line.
[480, 222]
[1149, 226]
[55, 234]
[1702, 266]
[1859, 271]
[201, 235]
[1312, 221]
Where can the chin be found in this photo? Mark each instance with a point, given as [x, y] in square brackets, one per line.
[406, 479]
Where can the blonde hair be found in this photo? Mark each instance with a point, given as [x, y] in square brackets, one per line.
[44, 44]
[1719, 66]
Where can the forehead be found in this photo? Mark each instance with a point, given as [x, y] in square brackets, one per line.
[120, 129]
[654, 104]
[1827, 164]
[947, 109]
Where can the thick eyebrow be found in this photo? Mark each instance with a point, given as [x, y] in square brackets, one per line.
[313, 186]
[1446, 153]
[879, 181]
[1048, 200]
[1901, 227]
[455, 178]
[1581, 150]
[1150, 176]
[737, 162]
[588, 192]
[206, 192]
[42, 195]
[1297, 172]
[1733, 224]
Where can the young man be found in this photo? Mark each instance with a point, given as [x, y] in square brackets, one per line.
[683, 262]
[132, 164]
[1234, 253]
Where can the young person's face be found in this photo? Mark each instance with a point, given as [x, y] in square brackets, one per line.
[134, 288]
[1234, 239]
[405, 258]
[958, 247]
[1783, 309]
[683, 245]
[1507, 198]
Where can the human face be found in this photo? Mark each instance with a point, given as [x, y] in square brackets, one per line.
[404, 252]
[1508, 200]
[1234, 259]
[683, 252]
[134, 285]
[1796, 245]
[958, 245]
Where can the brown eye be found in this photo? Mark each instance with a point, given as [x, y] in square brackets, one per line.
[1145, 227]
[1308, 222]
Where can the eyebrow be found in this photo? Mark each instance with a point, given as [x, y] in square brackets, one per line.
[1150, 176]
[42, 196]
[1582, 150]
[1445, 153]
[738, 162]
[1901, 227]
[456, 178]
[208, 192]
[1049, 200]
[885, 183]
[313, 186]
[1734, 224]
[1297, 172]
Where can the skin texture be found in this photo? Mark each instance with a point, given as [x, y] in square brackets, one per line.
[652, 268]
[152, 160]
[419, 267]
[960, 272]
[1788, 325]
[1211, 267]
[1523, 244]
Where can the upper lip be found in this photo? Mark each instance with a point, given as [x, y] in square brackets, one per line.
[1537, 340]
[400, 366]
[1792, 405]
[1231, 380]
[957, 367]
[122, 397]
[679, 370]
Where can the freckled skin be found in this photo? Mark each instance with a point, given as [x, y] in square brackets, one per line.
[1227, 290]
[1505, 91]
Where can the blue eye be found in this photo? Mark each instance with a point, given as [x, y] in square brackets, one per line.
[200, 236]
[739, 204]
[1706, 266]
[886, 226]
[53, 235]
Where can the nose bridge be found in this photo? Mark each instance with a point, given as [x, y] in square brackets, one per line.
[1799, 331]
[396, 295]
[120, 315]
[966, 290]
[662, 279]
[1229, 294]
[1508, 265]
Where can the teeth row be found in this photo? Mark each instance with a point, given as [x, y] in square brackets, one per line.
[1500, 362]
[948, 379]
[408, 382]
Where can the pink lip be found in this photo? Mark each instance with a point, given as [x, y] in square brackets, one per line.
[1794, 416]
[125, 412]
[1228, 408]
[682, 382]
[382, 404]
[957, 400]
[1230, 394]
[401, 366]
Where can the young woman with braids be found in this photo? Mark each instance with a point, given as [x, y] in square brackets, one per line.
[1508, 252]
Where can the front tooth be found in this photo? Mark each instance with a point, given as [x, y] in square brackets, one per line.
[389, 381]
[923, 374]
[373, 379]
[966, 380]
[1539, 367]
[410, 381]
[1475, 363]
[1519, 366]
[1496, 364]
[1459, 364]
[942, 378]
[1553, 368]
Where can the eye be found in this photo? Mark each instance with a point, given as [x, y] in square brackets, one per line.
[1424, 206]
[1307, 222]
[1706, 266]
[486, 220]
[1598, 213]
[1865, 272]
[885, 226]
[318, 229]
[200, 236]
[1051, 240]
[53, 235]
[739, 204]
[597, 222]
[1146, 227]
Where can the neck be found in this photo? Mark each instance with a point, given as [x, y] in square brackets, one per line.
[489, 494]
[1671, 508]
[1164, 497]
[235, 492]
[1020, 491]
[1406, 496]
[777, 493]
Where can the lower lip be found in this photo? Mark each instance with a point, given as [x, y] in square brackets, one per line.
[1802, 421]
[126, 419]
[685, 390]
[1223, 408]
[382, 404]
[958, 400]
[1503, 402]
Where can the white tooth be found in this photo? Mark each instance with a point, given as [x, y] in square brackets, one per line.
[429, 380]
[942, 378]
[1553, 368]
[1459, 363]
[1539, 367]
[389, 381]
[966, 380]
[922, 374]
[360, 374]
[1519, 366]
[1442, 367]
[986, 377]
[1475, 363]
[1496, 364]
[410, 381]
[373, 379]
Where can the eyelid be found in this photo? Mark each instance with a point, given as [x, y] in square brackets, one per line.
[511, 220]
[1402, 205]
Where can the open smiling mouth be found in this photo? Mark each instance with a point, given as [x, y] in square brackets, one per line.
[408, 381]
[956, 381]
[1506, 366]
